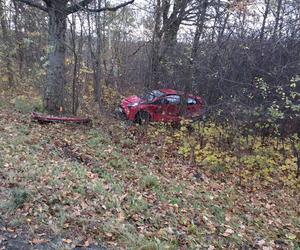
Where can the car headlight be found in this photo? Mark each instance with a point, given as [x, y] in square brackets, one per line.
[133, 104]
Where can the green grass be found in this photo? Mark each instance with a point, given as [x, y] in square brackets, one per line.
[129, 197]
[18, 197]
[149, 181]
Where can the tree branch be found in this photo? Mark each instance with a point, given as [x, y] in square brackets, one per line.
[33, 4]
[115, 8]
[79, 6]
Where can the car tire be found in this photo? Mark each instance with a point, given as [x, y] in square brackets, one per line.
[143, 118]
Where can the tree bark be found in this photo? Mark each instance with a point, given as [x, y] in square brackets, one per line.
[156, 39]
[196, 41]
[97, 59]
[262, 31]
[18, 38]
[169, 32]
[277, 18]
[55, 88]
[57, 13]
[7, 43]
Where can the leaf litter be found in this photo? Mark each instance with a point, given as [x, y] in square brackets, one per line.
[117, 186]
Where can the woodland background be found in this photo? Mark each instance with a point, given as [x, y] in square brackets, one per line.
[239, 55]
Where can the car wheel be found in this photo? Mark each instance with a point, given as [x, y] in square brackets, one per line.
[143, 118]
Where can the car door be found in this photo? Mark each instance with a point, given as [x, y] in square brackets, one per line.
[193, 107]
[170, 108]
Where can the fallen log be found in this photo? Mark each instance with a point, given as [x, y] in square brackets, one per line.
[67, 119]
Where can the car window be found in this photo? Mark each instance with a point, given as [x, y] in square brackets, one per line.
[191, 101]
[151, 95]
[172, 99]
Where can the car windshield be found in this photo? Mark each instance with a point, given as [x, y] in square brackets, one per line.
[151, 95]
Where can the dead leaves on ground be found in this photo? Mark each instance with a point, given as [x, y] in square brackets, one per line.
[75, 191]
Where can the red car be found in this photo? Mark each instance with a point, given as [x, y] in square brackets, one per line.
[163, 105]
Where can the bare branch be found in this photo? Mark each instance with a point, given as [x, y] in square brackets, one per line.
[115, 8]
[79, 6]
[33, 4]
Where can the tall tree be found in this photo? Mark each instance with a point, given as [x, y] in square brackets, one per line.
[265, 16]
[6, 42]
[57, 13]
[168, 18]
[196, 40]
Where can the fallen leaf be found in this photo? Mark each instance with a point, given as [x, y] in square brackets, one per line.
[228, 217]
[108, 235]
[10, 230]
[68, 241]
[121, 216]
[2, 238]
[38, 241]
[228, 232]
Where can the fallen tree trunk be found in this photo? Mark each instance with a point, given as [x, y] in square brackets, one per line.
[67, 119]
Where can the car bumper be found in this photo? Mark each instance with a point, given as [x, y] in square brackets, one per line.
[120, 113]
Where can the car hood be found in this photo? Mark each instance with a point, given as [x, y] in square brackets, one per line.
[130, 100]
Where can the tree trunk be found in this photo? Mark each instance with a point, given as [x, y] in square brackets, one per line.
[156, 39]
[95, 59]
[97, 70]
[55, 87]
[262, 31]
[195, 46]
[19, 39]
[7, 45]
[277, 19]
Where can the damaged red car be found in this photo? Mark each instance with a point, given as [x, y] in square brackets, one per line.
[163, 105]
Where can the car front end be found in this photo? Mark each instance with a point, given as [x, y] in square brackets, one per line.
[128, 108]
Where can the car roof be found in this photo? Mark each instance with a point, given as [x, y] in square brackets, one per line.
[168, 91]
[175, 92]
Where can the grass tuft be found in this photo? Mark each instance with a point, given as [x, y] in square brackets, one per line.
[149, 181]
[18, 198]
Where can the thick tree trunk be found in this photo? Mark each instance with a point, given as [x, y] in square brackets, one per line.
[167, 53]
[55, 87]
[165, 38]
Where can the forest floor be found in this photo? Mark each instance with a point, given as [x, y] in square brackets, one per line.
[118, 187]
